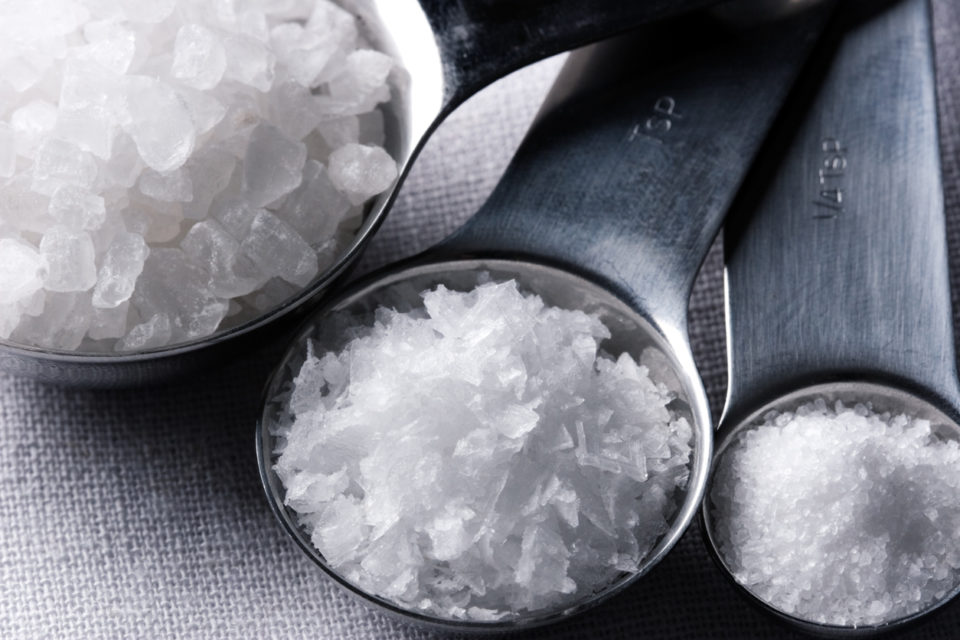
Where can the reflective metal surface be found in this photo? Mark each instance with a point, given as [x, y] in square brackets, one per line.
[837, 279]
[610, 204]
[841, 271]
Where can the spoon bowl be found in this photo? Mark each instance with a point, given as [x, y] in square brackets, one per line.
[630, 333]
[881, 398]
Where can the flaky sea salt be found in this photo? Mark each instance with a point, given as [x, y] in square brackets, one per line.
[840, 515]
[141, 142]
[481, 457]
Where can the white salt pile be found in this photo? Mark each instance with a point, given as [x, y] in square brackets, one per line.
[480, 458]
[841, 515]
[168, 168]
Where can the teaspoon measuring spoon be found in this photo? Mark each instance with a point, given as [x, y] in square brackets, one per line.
[837, 285]
[609, 206]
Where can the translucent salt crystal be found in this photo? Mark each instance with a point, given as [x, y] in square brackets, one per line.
[270, 295]
[274, 165]
[87, 85]
[114, 52]
[119, 271]
[173, 186]
[155, 332]
[316, 208]
[309, 51]
[458, 493]
[58, 163]
[106, 324]
[339, 528]
[61, 325]
[9, 320]
[249, 61]
[363, 80]
[236, 216]
[124, 166]
[158, 222]
[232, 274]
[199, 58]
[291, 9]
[824, 513]
[278, 250]
[172, 284]
[22, 207]
[20, 74]
[89, 129]
[159, 123]
[30, 123]
[371, 128]
[206, 110]
[105, 21]
[20, 271]
[210, 171]
[305, 493]
[253, 23]
[294, 109]
[362, 171]
[544, 561]
[70, 260]
[77, 208]
[183, 124]
[340, 131]
[8, 98]
[8, 151]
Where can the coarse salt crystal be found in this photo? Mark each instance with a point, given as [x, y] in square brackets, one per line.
[70, 260]
[199, 58]
[361, 171]
[123, 120]
[20, 271]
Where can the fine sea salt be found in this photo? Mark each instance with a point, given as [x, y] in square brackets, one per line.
[168, 169]
[840, 515]
[481, 457]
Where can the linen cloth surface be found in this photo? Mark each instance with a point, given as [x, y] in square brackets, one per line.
[139, 513]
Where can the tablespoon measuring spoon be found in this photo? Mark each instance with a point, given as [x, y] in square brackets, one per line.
[837, 289]
[608, 207]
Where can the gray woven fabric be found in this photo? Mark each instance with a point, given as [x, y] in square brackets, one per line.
[138, 514]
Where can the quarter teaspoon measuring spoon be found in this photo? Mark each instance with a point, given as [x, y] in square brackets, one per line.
[837, 285]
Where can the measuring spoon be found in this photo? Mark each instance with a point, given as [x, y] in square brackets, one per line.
[837, 285]
[609, 206]
[448, 50]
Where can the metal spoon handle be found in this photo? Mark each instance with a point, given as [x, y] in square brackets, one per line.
[628, 182]
[482, 40]
[841, 272]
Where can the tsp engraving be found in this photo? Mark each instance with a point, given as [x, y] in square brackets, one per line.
[833, 167]
[665, 115]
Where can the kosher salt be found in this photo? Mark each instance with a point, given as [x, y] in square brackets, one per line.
[840, 515]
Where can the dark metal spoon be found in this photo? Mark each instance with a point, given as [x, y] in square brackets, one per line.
[837, 284]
